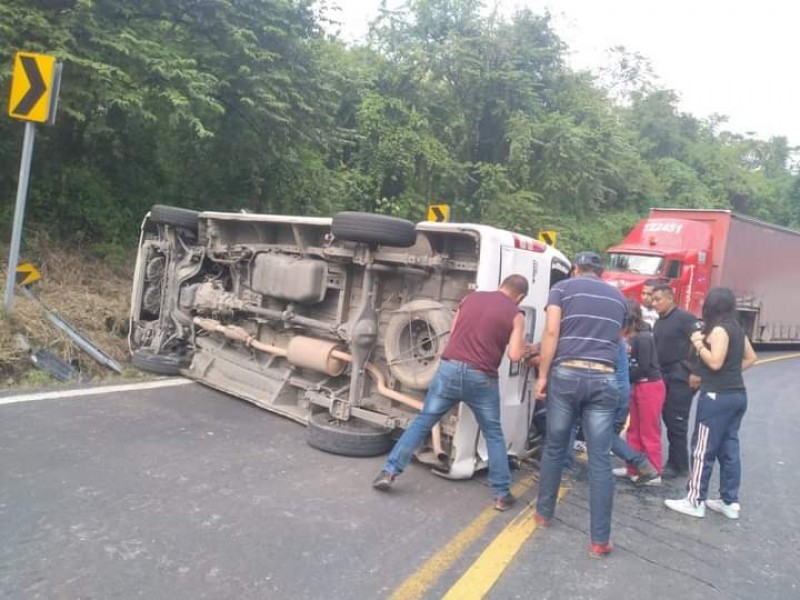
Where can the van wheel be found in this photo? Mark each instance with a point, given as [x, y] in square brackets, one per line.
[415, 339]
[162, 364]
[161, 214]
[370, 228]
[347, 438]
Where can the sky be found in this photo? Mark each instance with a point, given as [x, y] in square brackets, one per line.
[734, 57]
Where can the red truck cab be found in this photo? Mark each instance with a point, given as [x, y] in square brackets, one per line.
[697, 249]
[676, 249]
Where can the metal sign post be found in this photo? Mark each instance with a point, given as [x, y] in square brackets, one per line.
[35, 84]
[19, 213]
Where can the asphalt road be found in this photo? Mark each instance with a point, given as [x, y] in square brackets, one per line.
[183, 492]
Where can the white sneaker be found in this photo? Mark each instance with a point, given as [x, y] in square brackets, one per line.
[622, 472]
[729, 510]
[655, 481]
[684, 506]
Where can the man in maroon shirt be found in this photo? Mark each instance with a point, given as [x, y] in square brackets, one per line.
[485, 324]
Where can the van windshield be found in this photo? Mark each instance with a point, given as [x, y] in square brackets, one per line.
[635, 263]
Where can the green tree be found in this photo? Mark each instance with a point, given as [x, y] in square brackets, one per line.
[230, 104]
[217, 103]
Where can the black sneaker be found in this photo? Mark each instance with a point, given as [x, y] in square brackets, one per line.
[670, 472]
[502, 503]
[647, 473]
[383, 481]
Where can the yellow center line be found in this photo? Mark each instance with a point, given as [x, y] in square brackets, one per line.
[490, 565]
[419, 582]
[763, 361]
[492, 562]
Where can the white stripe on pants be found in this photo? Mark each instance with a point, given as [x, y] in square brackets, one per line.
[698, 460]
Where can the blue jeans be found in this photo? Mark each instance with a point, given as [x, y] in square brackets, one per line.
[591, 396]
[623, 385]
[456, 382]
[570, 464]
[619, 447]
[623, 405]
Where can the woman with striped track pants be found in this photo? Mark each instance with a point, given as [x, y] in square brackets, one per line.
[724, 352]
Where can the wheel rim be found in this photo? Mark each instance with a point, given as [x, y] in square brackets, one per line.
[418, 345]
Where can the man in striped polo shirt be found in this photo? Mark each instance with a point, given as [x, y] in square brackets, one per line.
[580, 347]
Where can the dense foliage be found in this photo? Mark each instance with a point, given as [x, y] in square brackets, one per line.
[249, 104]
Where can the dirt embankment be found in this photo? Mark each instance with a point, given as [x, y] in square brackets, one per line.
[93, 295]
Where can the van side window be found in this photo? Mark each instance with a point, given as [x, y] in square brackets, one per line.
[674, 269]
[515, 368]
[559, 270]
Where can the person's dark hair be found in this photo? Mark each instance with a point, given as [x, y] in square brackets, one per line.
[588, 262]
[589, 269]
[664, 288]
[719, 306]
[516, 284]
[633, 317]
[653, 282]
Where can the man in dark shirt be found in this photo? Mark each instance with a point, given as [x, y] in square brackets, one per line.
[485, 324]
[581, 337]
[672, 333]
[649, 314]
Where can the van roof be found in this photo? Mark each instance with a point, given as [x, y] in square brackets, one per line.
[499, 236]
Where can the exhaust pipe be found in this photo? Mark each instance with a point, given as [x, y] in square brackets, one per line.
[324, 357]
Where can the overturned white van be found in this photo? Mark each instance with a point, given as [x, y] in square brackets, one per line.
[336, 323]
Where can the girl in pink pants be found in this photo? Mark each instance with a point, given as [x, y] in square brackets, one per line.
[647, 390]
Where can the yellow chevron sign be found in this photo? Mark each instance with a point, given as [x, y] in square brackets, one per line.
[439, 213]
[32, 87]
[548, 237]
[27, 273]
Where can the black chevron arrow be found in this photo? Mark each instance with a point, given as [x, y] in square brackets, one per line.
[37, 89]
[438, 214]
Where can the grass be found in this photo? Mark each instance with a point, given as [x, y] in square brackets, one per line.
[91, 294]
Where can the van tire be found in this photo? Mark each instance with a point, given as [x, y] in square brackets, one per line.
[415, 339]
[162, 364]
[353, 437]
[161, 214]
[370, 228]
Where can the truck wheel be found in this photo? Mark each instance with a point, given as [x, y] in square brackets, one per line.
[374, 229]
[347, 438]
[161, 214]
[162, 364]
[415, 339]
